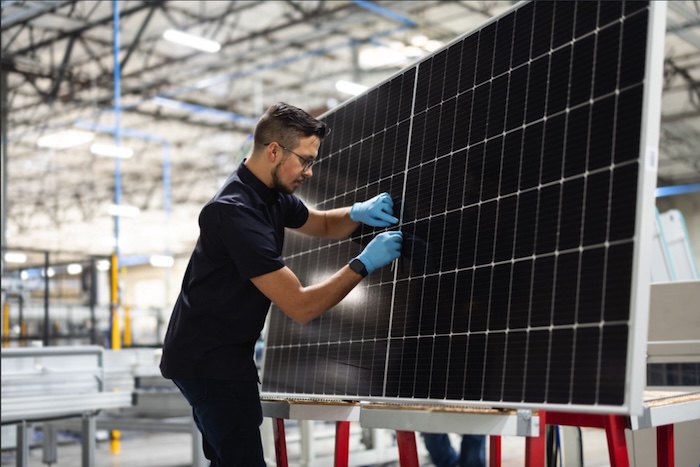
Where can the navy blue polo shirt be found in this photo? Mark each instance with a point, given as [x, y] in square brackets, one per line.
[219, 313]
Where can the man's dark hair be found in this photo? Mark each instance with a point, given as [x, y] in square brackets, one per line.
[285, 124]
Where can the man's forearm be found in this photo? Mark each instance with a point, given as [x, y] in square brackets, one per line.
[338, 223]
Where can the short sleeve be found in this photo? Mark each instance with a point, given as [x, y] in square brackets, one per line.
[249, 239]
[296, 213]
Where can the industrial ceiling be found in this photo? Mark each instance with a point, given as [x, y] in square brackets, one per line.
[188, 115]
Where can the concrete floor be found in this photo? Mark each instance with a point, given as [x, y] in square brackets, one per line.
[175, 450]
[158, 449]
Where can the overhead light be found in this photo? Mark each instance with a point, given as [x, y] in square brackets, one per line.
[74, 269]
[372, 57]
[110, 150]
[418, 40]
[199, 43]
[15, 257]
[332, 102]
[162, 261]
[432, 45]
[348, 87]
[103, 265]
[396, 53]
[123, 210]
[65, 139]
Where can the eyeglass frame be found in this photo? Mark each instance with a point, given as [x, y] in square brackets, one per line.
[306, 163]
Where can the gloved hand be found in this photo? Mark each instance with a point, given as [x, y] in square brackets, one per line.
[382, 250]
[375, 212]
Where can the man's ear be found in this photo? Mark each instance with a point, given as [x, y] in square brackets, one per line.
[272, 151]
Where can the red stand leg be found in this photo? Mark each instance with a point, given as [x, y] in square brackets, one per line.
[614, 426]
[494, 451]
[535, 447]
[280, 442]
[617, 446]
[664, 446]
[342, 443]
[408, 453]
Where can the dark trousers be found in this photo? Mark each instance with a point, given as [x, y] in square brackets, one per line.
[472, 450]
[229, 415]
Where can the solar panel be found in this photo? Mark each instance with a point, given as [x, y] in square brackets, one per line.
[521, 158]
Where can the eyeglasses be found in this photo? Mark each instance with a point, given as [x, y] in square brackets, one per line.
[306, 162]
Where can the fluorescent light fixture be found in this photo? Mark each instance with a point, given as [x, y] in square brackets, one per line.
[50, 272]
[425, 43]
[15, 257]
[372, 57]
[24, 275]
[199, 43]
[123, 210]
[396, 53]
[419, 40]
[112, 241]
[432, 45]
[103, 265]
[162, 261]
[110, 150]
[74, 269]
[348, 87]
[65, 139]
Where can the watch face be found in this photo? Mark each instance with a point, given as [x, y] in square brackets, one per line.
[357, 266]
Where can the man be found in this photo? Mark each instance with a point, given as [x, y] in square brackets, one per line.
[237, 269]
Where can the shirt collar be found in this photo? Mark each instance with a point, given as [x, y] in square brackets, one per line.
[268, 195]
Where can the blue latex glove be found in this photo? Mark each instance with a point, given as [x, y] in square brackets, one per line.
[375, 212]
[382, 250]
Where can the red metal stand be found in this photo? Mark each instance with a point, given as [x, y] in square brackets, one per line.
[494, 451]
[408, 453]
[617, 446]
[280, 442]
[342, 443]
[536, 447]
[664, 446]
[614, 426]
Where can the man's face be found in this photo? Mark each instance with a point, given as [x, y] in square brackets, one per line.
[290, 171]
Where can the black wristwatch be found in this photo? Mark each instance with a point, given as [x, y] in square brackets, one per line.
[358, 266]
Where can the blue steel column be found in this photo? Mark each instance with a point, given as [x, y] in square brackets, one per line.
[117, 123]
[116, 299]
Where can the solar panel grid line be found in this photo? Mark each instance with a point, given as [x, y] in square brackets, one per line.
[429, 389]
[394, 270]
[526, 271]
[541, 177]
[525, 14]
[587, 191]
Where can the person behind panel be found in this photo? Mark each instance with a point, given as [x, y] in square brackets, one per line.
[472, 451]
[237, 269]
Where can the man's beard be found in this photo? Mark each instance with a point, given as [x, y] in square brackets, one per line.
[277, 184]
